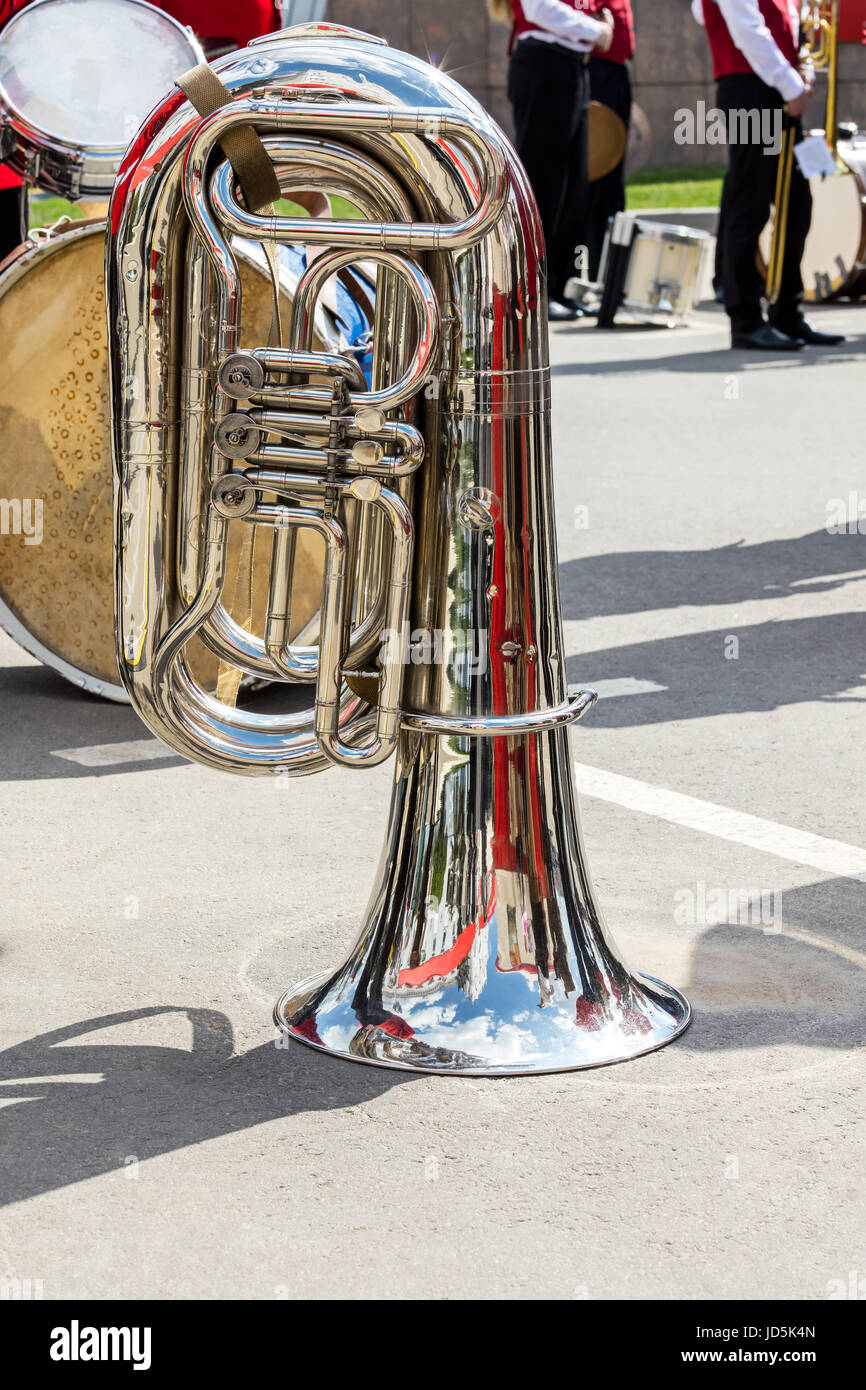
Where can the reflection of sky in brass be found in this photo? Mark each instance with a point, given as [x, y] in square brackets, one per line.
[424, 1012]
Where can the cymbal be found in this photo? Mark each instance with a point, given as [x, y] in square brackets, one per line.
[608, 139]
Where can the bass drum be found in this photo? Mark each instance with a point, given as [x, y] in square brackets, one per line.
[834, 259]
[56, 538]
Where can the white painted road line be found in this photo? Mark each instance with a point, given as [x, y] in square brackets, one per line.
[829, 856]
[625, 685]
[139, 750]
[89, 1078]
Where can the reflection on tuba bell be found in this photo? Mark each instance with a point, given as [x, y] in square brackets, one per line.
[440, 638]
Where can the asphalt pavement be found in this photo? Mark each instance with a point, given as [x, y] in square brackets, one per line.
[157, 1144]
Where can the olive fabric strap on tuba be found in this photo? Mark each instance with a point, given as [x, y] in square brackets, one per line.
[250, 161]
[241, 146]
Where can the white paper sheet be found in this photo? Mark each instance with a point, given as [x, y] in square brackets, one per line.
[815, 157]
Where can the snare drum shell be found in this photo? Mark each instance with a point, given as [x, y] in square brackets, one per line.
[665, 266]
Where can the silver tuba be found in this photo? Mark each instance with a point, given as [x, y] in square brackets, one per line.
[439, 639]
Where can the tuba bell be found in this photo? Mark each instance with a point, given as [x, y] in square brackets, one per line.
[439, 639]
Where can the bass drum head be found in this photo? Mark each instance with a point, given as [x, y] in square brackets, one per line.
[835, 242]
[56, 522]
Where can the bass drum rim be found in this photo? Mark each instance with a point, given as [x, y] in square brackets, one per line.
[36, 251]
[852, 153]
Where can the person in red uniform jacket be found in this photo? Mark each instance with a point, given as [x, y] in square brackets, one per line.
[755, 48]
[13, 192]
[221, 26]
[610, 83]
[548, 86]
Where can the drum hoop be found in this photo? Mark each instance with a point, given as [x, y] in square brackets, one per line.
[94, 685]
[854, 165]
[27, 128]
[671, 231]
[19, 261]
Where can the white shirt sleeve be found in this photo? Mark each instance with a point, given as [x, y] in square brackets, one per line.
[698, 12]
[562, 21]
[756, 43]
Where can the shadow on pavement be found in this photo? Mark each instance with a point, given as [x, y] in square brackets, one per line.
[694, 361]
[153, 1100]
[778, 664]
[638, 581]
[40, 712]
[805, 985]
[750, 990]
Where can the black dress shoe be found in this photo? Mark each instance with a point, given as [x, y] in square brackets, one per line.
[800, 327]
[557, 312]
[766, 338]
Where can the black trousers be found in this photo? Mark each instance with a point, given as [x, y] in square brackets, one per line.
[13, 219]
[750, 189]
[609, 83]
[548, 87]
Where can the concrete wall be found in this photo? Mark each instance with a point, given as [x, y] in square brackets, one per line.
[671, 68]
[457, 35]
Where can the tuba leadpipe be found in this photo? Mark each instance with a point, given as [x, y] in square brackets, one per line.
[440, 641]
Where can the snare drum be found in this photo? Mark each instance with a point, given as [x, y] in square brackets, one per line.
[77, 78]
[651, 269]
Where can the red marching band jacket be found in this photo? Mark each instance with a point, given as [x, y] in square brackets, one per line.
[727, 58]
[7, 9]
[622, 47]
[223, 24]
